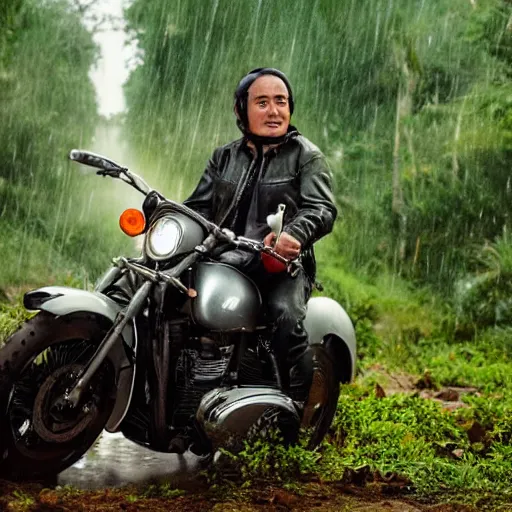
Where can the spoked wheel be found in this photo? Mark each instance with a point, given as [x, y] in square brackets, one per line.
[320, 406]
[38, 437]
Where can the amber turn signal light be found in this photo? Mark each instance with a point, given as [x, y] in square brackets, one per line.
[132, 222]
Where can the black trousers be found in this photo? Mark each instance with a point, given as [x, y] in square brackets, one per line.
[285, 299]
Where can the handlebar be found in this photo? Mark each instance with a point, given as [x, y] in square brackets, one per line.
[241, 242]
[108, 167]
[93, 160]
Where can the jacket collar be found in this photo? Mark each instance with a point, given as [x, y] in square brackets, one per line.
[251, 144]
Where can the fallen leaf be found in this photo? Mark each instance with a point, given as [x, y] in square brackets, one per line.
[476, 433]
[426, 382]
[379, 391]
[447, 395]
[285, 498]
[458, 453]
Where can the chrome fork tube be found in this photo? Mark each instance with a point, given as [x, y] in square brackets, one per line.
[132, 310]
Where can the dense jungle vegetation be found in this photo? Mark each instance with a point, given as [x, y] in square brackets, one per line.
[412, 103]
[47, 107]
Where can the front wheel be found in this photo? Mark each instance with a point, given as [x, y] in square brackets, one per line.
[37, 364]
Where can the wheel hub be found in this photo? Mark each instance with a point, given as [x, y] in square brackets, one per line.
[55, 423]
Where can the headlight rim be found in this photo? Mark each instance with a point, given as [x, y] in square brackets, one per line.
[147, 244]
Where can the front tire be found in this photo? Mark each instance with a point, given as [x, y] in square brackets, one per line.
[37, 364]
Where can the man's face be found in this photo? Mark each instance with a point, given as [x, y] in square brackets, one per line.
[268, 110]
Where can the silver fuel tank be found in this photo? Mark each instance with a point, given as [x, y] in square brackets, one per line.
[227, 300]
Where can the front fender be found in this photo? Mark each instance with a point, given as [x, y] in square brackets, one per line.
[327, 322]
[61, 301]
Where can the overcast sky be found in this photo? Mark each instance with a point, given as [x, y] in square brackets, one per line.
[112, 69]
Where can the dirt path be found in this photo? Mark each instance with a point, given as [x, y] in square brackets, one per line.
[309, 497]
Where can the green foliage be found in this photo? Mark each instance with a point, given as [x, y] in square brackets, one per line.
[483, 362]
[21, 501]
[11, 317]
[47, 107]
[399, 330]
[38, 123]
[485, 299]
[165, 490]
[401, 434]
[395, 434]
[416, 439]
[267, 459]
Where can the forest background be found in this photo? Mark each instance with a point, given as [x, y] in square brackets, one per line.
[410, 100]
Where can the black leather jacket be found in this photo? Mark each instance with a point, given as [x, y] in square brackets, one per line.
[294, 173]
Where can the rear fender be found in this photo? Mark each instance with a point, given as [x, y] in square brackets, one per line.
[61, 301]
[327, 323]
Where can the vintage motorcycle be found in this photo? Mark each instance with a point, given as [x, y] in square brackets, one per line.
[170, 349]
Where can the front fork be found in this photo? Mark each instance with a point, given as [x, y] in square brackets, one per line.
[73, 397]
[137, 303]
[158, 356]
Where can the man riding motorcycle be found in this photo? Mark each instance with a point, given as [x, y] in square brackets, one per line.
[170, 348]
[245, 181]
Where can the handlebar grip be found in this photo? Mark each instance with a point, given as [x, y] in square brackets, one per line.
[93, 160]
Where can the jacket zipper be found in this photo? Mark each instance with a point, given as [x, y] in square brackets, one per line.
[250, 175]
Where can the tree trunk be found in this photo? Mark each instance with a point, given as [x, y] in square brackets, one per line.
[397, 201]
[404, 103]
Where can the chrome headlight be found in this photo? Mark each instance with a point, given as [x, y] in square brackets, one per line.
[164, 238]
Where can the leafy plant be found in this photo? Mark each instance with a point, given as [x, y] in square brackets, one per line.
[266, 458]
[485, 298]
[21, 501]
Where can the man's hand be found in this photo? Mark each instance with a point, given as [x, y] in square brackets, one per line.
[287, 246]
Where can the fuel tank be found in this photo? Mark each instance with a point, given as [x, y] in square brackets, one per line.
[227, 300]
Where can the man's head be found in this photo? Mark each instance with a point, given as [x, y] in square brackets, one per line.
[264, 103]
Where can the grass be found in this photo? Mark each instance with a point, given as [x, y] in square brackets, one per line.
[21, 502]
[27, 259]
[11, 317]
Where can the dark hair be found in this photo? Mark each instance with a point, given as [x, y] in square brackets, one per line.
[242, 90]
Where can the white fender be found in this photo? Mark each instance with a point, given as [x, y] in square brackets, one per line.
[324, 317]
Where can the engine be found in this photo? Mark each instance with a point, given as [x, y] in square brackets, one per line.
[197, 372]
[199, 366]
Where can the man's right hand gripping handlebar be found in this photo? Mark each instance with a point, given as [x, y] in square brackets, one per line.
[272, 260]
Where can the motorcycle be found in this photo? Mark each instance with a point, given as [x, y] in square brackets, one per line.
[170, 349]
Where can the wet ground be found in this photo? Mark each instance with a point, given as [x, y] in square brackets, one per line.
[114, 461]
[115, 475]
[312, 497]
